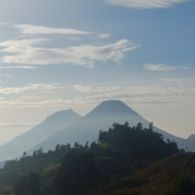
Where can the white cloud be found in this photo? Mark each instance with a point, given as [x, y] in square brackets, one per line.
[5, 75]
[35, 95]
[5, 67]
[53, 95]
[41, 30]
[164, 68]
[26, 88]
[34, 49]
[178, 80]
[96, 89]
[26, 53]
[145, 4]
[139, 94]
[104, 36]
[38, 30]
[137, 90]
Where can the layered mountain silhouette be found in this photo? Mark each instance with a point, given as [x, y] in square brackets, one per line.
[37, 134]
[68, 127]
[101, 118]
[88, 127]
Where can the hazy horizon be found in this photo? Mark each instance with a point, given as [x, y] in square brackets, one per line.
[63, 54]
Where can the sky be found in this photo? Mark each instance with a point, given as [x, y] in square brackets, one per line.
[66, 54]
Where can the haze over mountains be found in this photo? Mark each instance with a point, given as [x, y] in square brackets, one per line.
[37, 134]
[68, 127]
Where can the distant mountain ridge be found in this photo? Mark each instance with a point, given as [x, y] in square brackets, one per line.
[101, 118]
[88, 127]
[69, 127]
[37, 134]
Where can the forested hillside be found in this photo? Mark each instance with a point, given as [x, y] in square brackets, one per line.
[119, 153]
[174, 175]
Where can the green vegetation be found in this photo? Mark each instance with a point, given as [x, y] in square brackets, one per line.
[124, 160]
[174, 175]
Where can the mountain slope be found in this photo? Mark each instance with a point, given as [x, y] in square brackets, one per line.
[120, 152]
[173, 175]
[87, 129]
[37, 134]
[101, 118]
[181, 142]
[190, 142]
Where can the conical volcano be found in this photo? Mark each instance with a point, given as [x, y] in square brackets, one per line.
[100, 118]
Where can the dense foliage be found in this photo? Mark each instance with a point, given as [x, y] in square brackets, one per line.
[86, 169]
[174, 175]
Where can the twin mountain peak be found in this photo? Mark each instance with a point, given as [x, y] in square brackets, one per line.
[110, 107]
[67, 126]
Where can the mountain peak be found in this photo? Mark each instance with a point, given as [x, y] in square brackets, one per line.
[113, 102]
[63, 114]
[112, 107]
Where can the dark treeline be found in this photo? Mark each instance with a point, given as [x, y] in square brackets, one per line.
[86, 169]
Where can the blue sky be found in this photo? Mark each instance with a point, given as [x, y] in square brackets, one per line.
[74, 54]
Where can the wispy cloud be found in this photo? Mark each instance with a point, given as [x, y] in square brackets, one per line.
[5, 67]
[145, 4]
[44, 30]
[139, 94]
[104, 36]
[137, 90]
[35, 95]
[178, 80]
[27, 52]
[96, 89]
[164, 68]
[38, 30]
[47, 95]
[29, 87]
[5, 75]
[30, 48]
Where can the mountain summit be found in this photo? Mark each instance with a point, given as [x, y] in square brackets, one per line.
[63, 115]
[111, 111]
[68, 127]
[112, 107]
[51, 125]
[100, 118]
